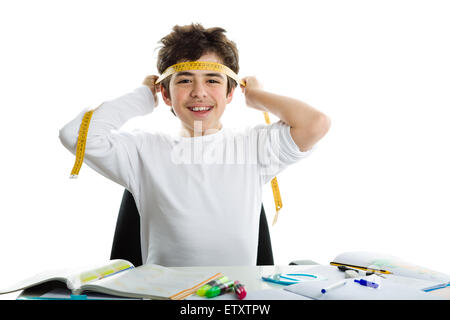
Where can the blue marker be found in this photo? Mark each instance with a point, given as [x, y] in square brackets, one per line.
[367, 283]
[333, 286]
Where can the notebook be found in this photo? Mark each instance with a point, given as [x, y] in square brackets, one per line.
[121, 278]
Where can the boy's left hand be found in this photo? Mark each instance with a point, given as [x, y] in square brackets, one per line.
[250, 90]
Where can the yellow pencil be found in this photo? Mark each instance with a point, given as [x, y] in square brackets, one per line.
[360, 268]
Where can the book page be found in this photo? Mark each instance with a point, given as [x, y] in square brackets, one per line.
[72, 277]
[60, 275]
[98, 272]
[152, 281]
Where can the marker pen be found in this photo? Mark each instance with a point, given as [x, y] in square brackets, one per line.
[239, 289]
[367, 283]
[219, 289]
[333, 286]
[202, 291]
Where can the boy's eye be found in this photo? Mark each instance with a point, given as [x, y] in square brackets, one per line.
[212, 81]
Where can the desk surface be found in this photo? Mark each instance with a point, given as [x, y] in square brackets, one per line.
[250, 276]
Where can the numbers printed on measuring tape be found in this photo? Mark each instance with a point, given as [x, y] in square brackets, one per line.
[199, 65]
[81, 144]
[275, 188]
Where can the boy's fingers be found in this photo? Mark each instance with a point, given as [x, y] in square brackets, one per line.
[151, 79]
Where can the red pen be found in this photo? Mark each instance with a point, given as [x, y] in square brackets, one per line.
[239, 289]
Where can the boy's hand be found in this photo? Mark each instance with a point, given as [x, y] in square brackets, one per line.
[251, 89]
[149, 81]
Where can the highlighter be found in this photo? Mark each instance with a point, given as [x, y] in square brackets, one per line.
[239, 289]
[220, 289]
[202, 291]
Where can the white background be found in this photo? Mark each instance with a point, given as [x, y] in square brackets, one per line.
[379, 181]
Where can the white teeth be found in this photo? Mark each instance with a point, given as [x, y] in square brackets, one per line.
[200, 108]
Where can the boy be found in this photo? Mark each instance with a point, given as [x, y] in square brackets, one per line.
[198, 194]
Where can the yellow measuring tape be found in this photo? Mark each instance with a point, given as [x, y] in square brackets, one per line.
[183, 66]
[199, 65]
[275, 188]
[81, 143]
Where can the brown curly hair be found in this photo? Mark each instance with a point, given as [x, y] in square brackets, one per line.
[190, 42]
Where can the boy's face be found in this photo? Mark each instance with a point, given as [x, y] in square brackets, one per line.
[192, 89]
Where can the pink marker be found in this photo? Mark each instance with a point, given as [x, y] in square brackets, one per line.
[239, 289]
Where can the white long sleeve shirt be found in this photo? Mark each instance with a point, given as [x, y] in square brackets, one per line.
[199, 198]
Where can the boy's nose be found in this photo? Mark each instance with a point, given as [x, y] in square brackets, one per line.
[198, 90]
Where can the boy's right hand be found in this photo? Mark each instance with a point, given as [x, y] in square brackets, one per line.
[149, 81]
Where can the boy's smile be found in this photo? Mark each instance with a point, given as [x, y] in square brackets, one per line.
[199, 96]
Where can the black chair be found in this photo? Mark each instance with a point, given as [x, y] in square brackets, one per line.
[127, 241]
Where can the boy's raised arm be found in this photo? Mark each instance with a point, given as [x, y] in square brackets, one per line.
[308, 125]
[109, 151]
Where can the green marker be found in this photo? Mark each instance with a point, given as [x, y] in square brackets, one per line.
[220, 289]
[202, 291]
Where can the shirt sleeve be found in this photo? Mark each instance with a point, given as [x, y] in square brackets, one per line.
[109, 151]
[276, 149]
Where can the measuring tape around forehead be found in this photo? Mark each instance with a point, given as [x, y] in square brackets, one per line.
[199, 65]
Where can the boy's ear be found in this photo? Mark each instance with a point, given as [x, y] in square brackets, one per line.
[166, 97]
[230, 95]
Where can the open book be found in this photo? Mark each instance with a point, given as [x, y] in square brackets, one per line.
[395, 279]
[121, 278]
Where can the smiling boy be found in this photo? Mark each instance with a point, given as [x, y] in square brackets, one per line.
[195, 211]
[198, 95]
